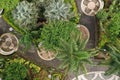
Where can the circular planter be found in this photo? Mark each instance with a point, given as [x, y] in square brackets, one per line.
[8, 44]
[45, 55]
[91, 7]
[96, 75]
[85, 32]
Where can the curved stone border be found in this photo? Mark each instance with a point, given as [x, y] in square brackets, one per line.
[97, 75]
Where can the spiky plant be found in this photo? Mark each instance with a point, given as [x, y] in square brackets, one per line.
[25, 14]
[113, 61]
[58, 10]
[73, 54]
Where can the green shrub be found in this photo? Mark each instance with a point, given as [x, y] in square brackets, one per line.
[53, 31]
[110, 31]
[73, 54]
[109, 23]
[14, 71]
[113, 61]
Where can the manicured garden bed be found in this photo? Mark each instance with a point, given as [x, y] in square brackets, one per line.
[58, 36]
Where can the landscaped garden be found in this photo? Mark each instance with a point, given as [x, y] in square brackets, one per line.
[50, 39]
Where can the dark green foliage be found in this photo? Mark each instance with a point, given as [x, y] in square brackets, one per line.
[53, 31]
[110, 25]
[15, 71]
[26, 40]
[73, 54]
[110, 22]
[113, 61]
[102, 15]
[43, 3]
[114, 26]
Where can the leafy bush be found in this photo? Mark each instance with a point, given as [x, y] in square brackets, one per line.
[109, 23]
[53, 31]
[15, 71]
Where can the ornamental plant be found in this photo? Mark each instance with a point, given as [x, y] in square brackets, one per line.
[73, 54]
[113, 61]
[59, 10]
[24, 19]
[53, 31]
[25, 14]
[109, 23]
[110, 39]
[15, 71]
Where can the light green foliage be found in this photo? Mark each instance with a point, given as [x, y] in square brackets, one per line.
[53, 31]
[25, 14]
[110, 24]
[26, 40]
[58, 10]
[8, 5]
[73, 54]
[15, 71]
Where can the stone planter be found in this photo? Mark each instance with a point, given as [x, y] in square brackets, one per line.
[91, 7]
[8, 44]
[96, 75]
[44, 54]
[85, 32]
